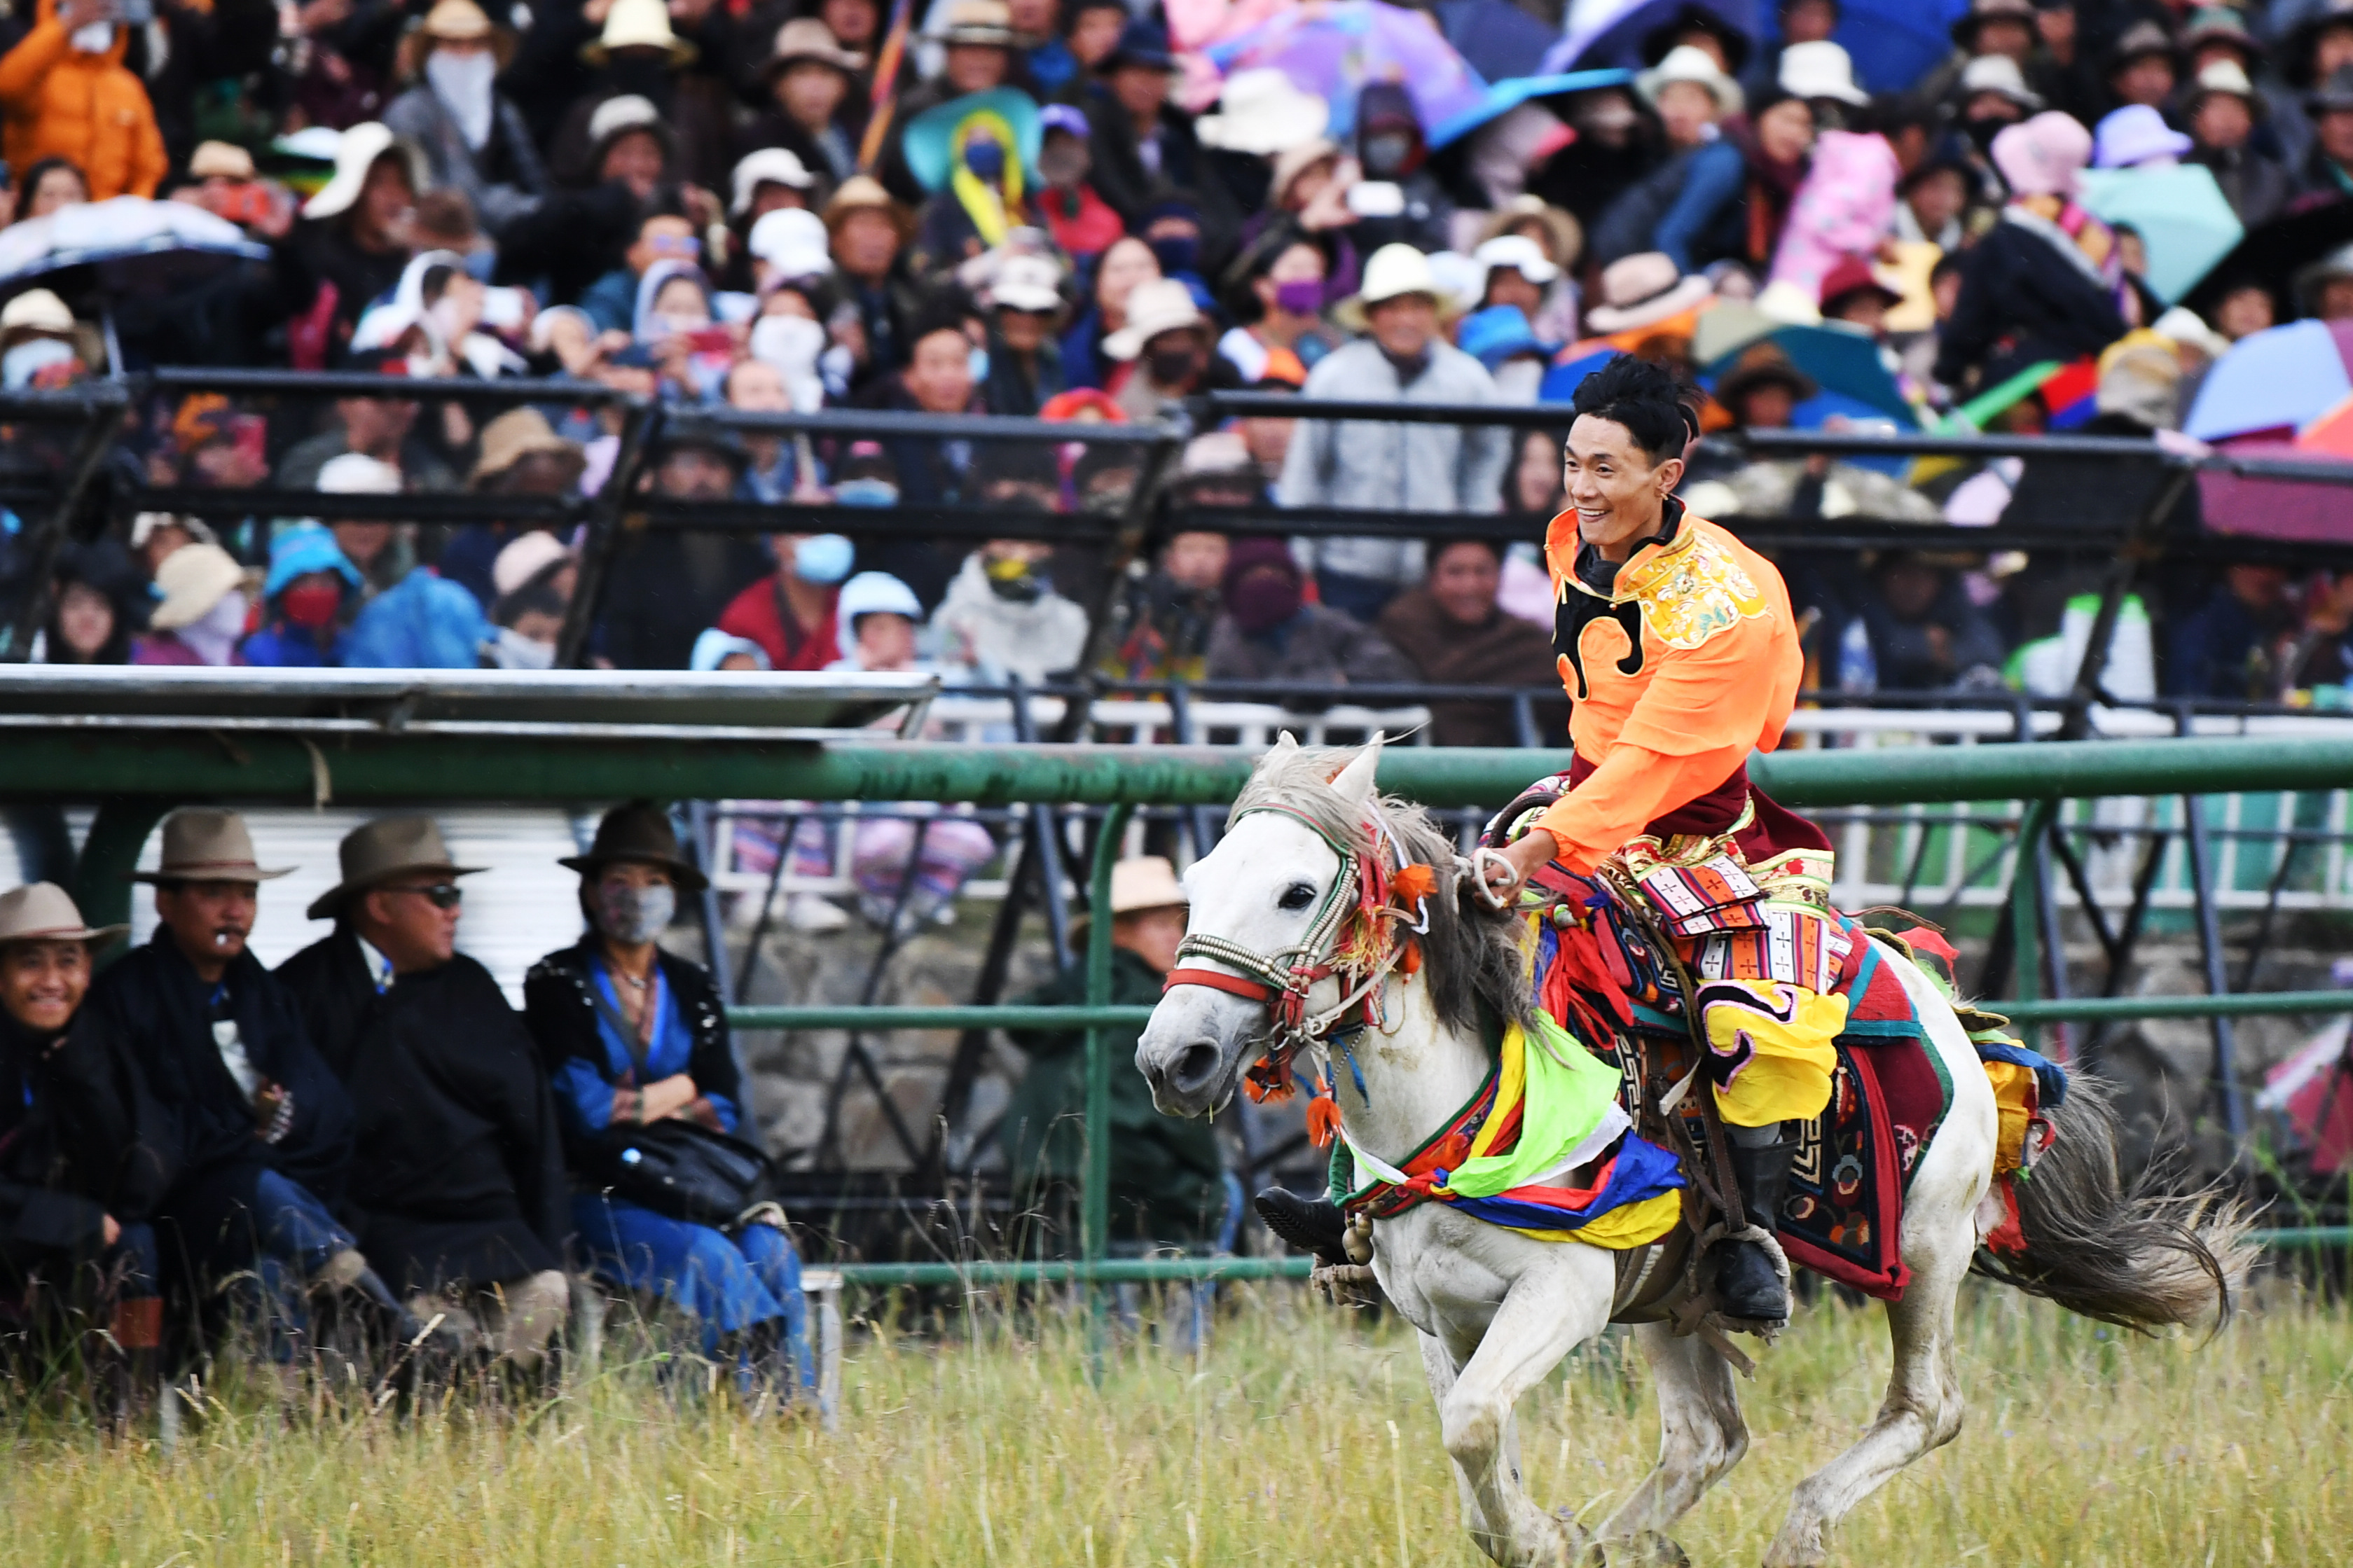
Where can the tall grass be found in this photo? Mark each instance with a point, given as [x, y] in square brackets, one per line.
[1299, 1437]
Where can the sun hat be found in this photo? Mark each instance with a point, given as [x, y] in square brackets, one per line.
[206, 843]
[1498, 334]
[1032, 283]
[517, 434]
[808, 38]
[872, 594]
[1996, 74]
[1819, 69]
[1397, 269]
[1160, 305]
[637, 25]
[1689, 62]
[374, 852]
[35, 313]
[524, 557]
[1263, 111]
[1516, 253]
[1852, 275]
[2223, 76]
[2188, 328]
[192, 580]
[863, 193]
[456, 21]
[2134, 134]
[2044, 156]
[355, 154]
[1293, 161]
[1145, 882]
[986, 23]
[628, 111]
[357, 474]
[935, 136]
[1642, 289]
[220, 161]
[793, 242]
[768, 166]
[305, 548]
[639, 833]
[1568, 235]
[43, 912]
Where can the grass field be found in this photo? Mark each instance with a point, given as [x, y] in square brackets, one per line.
[1301, 1436]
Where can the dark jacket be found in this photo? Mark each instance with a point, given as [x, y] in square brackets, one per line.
[1318, 645]
[1502, 651]
[557, 1006]
[503, 177]
[1120, 178]
[157, 1007]
[80, 1139]
[2021, 301]
[2257, 188]
[667, 588]
[1166, 1174]
[457, 1170]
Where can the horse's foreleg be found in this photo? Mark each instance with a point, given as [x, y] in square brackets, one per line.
[1700, 1434]
[1922, 1410]
[1545, 1314]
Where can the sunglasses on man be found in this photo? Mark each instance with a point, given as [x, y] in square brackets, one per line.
[440, 895]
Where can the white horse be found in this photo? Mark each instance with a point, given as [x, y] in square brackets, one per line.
[1497, 1309]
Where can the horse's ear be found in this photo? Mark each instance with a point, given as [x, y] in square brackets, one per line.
[1284, 744]
[1353, 783]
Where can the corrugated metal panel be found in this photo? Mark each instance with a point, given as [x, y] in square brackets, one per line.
[523, 906]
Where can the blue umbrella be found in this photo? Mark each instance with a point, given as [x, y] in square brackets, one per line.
[2180, 214]
[1892, 43]
[1847, 367]
[1509, 95]
[1499, 40]
[2284, 376]
[1610, 32]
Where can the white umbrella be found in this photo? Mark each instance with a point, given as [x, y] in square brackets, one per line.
[134, 247]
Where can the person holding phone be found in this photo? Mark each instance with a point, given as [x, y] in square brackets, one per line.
[66, 93]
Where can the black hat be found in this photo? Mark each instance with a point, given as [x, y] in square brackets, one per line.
[1139, 44]
[2137, 42]
[1967, 26]
[638, 831]
[1765, 364]
[702, 434]
[1736, 43]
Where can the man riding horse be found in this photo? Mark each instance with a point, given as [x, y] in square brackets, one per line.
[1680, 653]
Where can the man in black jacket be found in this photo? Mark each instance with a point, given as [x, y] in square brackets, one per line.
[457, 1172]
[263, 1130]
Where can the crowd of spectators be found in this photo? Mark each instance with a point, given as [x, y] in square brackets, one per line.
[1054, 208]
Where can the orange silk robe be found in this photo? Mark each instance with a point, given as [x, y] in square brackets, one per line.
[1688, 665]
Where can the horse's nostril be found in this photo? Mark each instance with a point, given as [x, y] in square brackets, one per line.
[1197, 1064]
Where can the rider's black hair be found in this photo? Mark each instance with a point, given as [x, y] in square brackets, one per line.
[1643, 398]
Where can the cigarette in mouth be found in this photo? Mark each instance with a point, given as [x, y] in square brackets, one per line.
[220, 939]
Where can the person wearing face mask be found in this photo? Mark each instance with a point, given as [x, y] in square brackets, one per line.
[1390, 148]
[1280, 300]
[629, 1035]
[790, 612]
[1267, 630]
[1002, 616]
[310, 584]
[473, 139]
[66, 93]
[1168, 340]
[202, 615]
[1082, 222]
[976, 156]
[1024, 362]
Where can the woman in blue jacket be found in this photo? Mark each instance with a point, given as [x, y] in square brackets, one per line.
[305, 602]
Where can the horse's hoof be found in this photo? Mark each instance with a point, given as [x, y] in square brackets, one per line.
[1577, 1547]
[1646, 1549]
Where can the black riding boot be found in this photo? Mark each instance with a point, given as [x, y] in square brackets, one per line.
[1746, 1283]
[1310, 1225]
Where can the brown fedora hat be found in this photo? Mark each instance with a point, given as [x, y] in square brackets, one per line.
[43, 912]
[205, 843]
[639, 832]
[375, 852]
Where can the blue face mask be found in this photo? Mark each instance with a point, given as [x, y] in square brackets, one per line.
[823, 559]
[1176, 253]
[985, 159]
[865, 492]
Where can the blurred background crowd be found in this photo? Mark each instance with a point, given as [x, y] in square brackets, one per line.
[2120, 217]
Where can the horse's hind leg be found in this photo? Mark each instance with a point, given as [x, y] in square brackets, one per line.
[1922, 1410]
[1700, 1434]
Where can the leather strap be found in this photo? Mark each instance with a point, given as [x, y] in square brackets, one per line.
[1216, 980]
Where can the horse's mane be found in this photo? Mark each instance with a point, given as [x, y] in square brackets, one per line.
[1472, 957]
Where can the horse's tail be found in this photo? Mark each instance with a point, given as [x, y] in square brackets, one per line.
[2129, 1252]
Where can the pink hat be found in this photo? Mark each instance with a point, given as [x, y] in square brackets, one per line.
[2043, 156]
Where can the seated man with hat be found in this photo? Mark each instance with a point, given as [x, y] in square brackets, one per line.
[457, 1172]
[79, 1171]
[1168, 1181]
[263, 1130]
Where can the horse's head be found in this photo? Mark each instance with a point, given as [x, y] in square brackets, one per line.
[1261, 890]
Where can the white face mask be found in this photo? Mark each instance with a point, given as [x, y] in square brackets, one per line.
[464, 84]
[213, 636]
[21, 363]
[94, 39]
[509, 650]
[446, 320]
[791, 344]
[1516, 381]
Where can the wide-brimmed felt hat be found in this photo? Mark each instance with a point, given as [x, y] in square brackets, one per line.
[1640, 290]
[639, 833]
[456, 21]
[1293, 161]
[638, 25]
[521, 432]
[2225, 77]
[355, 154]
[1160, 305]
[808, 38]
[1820, 68]
[43, 912]
[1146, 882]
[1689, 62]
[1763, 364]
[1966, 26]
[619, 115]
[936, 136]
[767, 166]
[375, 852]
[865, 193]
[1392, 272]
[206, 843]
[192, 580]
[1996, 74]
[1264, 112]
[1566, 234]
[1141, 43]
[987, 24]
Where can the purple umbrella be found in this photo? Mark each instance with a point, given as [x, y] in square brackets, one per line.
[1337, 50]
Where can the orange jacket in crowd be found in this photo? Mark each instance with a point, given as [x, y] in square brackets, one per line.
[58, 103]
[1689, 663]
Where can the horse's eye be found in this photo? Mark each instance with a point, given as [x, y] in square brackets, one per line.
[1297, 895]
